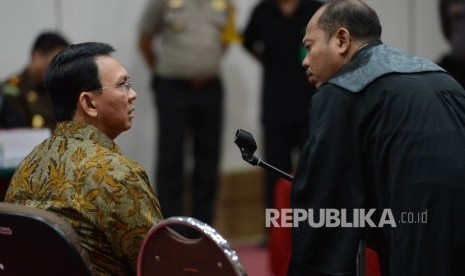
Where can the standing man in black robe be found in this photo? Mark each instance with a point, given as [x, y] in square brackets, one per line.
[387, 137]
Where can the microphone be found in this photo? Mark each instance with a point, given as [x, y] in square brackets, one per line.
[246, 143]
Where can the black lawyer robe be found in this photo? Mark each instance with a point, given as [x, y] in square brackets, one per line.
[388, 133]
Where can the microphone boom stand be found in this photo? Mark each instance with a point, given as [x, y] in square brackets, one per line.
[256, 161]
[246, 143]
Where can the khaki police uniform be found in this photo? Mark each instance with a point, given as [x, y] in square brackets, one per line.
[191, 37]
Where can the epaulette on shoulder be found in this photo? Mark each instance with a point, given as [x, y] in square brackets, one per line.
[11, 87]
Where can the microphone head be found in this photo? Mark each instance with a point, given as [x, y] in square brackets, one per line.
[245, 141]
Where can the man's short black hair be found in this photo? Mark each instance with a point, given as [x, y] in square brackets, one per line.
[357, 17]
[49, 41]
[71, 72]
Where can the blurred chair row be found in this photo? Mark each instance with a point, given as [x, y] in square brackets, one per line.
[37, 242]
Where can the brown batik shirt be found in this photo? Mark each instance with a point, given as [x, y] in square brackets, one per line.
[80, 174]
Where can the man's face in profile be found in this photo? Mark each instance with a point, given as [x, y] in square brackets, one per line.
[114, 103]
[323, 59]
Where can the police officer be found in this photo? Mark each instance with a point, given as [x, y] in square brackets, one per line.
[25, 101]
[189, 94]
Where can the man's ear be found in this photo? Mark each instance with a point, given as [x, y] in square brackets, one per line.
[343, 40]
[88, 104]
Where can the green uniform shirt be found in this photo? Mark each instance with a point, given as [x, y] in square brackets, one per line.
[26, 103]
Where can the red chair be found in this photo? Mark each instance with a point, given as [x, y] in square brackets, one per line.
[280, 238]
[167, 252]
[279, 241]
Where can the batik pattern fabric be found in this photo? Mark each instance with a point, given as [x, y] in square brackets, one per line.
[80, 174]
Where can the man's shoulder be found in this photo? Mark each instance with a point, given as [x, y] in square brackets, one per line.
[11, 86]
[93, 156]
[115, 158]
[377, 60]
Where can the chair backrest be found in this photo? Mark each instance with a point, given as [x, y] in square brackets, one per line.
[167, 252]
[34, 241]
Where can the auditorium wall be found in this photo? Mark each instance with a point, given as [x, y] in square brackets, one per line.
[411, 25]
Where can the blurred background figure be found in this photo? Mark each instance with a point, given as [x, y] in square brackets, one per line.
[192, 36]
[274, 35]
[452, 15]
[25, 101]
